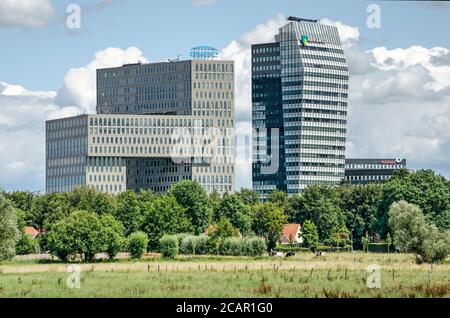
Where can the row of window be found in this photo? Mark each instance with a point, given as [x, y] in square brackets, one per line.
[374, 166]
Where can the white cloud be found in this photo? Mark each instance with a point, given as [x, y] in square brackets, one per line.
[80, 83]
[346, 32]
[23, 114]
[399, 99]
[25, 13]
[199, 3]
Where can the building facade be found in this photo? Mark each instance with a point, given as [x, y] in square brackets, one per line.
[299, 108]
[156, 124]
[364, 171]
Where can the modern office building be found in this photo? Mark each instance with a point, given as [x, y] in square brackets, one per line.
[156, 124]
[364, 171]
[299, 104]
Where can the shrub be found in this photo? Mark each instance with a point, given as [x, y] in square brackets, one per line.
[137, 244]
[9, 232]
[113, 239]
[379, 248]
[27, 245]
[231, 246]
[412, 233]
[180, 237]
[168, 245]
[80, 233]
[253, 246]
[289, 248]
[201, 244]
[187, 246]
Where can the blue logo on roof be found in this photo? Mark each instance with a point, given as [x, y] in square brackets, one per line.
[204, 52]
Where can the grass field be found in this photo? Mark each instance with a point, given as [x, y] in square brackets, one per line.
[335, 275]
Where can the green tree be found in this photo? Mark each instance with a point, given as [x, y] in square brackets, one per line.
[310, 234]
[9, 232]
[269, 220]
[48, 209]
[89, 199]
[112, 235]
[248, 196]
[128, 211]
[26, 245]
[412, 233]
[144, 196]
[365, 242]
[220, 231]
[23, 200]
[423, 188]
[214, 200]
[360, 205]
[321, 205]
[79, 233]
[235, 210]
[191, 196]
[162, 216]
[278, 198]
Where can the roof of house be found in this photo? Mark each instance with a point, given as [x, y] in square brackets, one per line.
[290, 232]
[31, 231]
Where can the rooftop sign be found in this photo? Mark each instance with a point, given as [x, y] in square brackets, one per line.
[204, 53]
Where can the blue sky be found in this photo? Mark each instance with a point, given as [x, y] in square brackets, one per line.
[399, 98]
[39, 58]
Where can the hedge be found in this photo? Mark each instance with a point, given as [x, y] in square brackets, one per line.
[253, 246]
[201, 244]
[231, 246]
[380, 248]
[295, 249]
[332, 249]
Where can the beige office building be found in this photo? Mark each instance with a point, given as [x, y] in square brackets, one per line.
[156, 124]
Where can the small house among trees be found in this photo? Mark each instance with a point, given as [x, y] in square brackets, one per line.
[292, 234]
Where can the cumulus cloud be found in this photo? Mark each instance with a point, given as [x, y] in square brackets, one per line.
[398, 105]
[25, 13]
[23, 114]
[240, 52]
[80, 83]
[22, 135]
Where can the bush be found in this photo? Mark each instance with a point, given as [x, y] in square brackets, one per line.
[201, 244]
[27, 245]
[113, 239]
[332, 249]
[80, 233]
[380, 248]
[168, 246]
[137, 244]
[253, 246]
[187, 246]
[412, 233]
[180, 237]
[231, 246]
[289, 248]
[9, 232]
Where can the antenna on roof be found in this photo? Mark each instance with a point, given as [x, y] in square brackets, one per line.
[301, 19]
[175, 60]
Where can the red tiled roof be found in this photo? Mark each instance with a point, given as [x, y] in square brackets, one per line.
[290, 232]
[31, 231]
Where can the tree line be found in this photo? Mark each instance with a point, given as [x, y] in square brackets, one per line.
[339, 215]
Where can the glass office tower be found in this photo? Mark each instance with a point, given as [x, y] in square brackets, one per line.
[299, 97]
